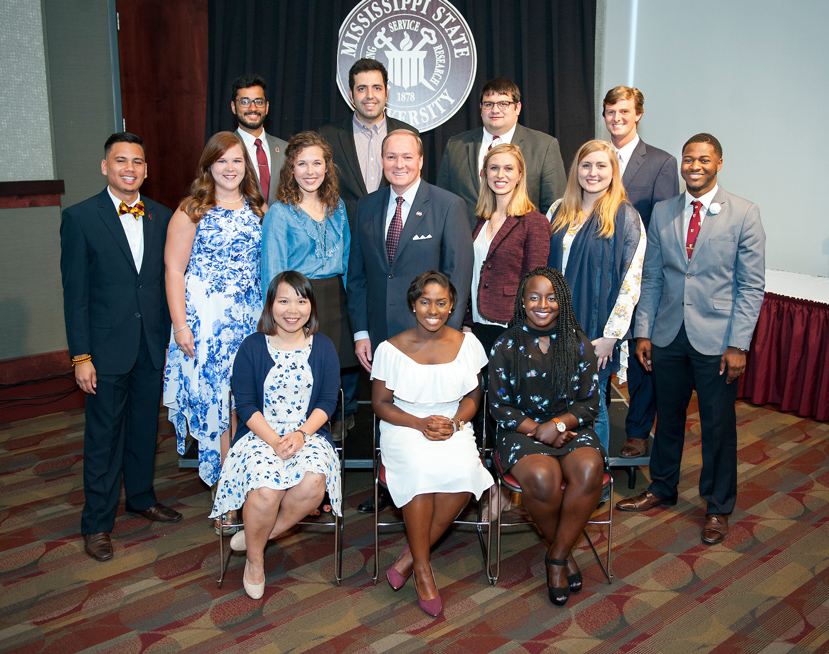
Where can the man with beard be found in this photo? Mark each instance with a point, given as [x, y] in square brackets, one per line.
[249, 103]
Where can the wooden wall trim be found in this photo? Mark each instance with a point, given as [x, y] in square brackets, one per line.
[43, 193]
[34, 366]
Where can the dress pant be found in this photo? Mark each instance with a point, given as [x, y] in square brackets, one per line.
[120, 441]
[718, 423]
[642, 405]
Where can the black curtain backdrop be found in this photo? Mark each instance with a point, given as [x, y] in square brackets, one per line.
[544, 46]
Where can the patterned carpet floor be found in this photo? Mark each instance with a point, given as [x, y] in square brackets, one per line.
[766, 589]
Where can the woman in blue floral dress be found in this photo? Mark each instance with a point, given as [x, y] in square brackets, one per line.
[285, 382]
[213, 292]
[544, 396]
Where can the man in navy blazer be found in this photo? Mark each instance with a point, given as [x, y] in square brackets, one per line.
[117, 327]
[460, 168]
[649, 175]
[435, 236]
[702, 289]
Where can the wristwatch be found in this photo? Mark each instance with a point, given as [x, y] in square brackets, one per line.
[560, 425]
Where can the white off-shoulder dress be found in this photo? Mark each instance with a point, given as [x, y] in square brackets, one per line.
[414, 464]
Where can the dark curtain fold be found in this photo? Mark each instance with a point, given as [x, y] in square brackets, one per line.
[544, 46]
[787, 364]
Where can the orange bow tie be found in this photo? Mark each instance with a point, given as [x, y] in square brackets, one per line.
[136, 210]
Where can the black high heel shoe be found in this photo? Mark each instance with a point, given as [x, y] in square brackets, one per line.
[557, 592]
[576, 581]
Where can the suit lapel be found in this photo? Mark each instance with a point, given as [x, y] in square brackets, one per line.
[109, 216]
[416, 216]
[149, 231]
[679, 226]
[635, 163]
[711, 220]
[346, 137]
[379, 221]
[473, 149]
[509, 224]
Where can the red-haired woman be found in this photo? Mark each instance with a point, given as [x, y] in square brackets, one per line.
[214, 295]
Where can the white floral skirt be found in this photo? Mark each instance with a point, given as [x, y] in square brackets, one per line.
[252, 464]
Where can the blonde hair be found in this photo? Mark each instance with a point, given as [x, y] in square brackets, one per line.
[605, 207]
[520, 202]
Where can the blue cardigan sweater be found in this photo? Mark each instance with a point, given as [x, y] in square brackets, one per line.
[251, 368]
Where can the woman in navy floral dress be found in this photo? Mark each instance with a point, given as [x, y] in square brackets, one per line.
[544, 397]
[214, 295]
[285, 382]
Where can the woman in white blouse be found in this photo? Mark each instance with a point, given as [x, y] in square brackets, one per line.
[599, 242]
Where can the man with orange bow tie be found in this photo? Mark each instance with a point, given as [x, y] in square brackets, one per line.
[117, 327]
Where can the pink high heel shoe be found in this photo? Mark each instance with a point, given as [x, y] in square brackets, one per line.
[431, 607]
[395, 579]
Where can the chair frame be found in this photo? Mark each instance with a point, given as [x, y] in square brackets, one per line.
[379, 479]
[337, 522]
[501, 481]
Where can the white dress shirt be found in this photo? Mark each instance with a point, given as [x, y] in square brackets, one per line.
[486, 142]
[134, 229]
[706, 200]
[625, 153]
[250, 145]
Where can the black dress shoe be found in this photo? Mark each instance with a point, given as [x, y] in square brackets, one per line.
[383, 501]
[98, 546]
[159, 513]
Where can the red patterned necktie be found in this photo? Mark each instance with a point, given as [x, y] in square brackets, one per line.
[693, 229]
[491, 145]
[264, 171]
[137, 210]
[395, 228]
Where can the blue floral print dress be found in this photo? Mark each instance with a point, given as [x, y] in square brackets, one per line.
[516, 395]
[252, 463]
[223, 301]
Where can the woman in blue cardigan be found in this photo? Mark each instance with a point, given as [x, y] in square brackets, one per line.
[285, 382]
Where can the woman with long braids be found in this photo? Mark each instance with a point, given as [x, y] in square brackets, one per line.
[544, 397]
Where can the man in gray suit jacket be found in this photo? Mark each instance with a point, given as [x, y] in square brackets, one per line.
[434, 236]
[249, 103]
[702, 289]
[649, 175]
[460, 168]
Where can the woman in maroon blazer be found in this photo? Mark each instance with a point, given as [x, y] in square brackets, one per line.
[510, 239]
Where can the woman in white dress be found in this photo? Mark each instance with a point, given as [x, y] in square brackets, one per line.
[426, 385]
[285, 383]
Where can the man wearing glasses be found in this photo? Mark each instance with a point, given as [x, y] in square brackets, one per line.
[460, 169]
[249, 103]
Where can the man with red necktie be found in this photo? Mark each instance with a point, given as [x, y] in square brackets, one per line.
[702, 288]
[249, 103]
[117, 328]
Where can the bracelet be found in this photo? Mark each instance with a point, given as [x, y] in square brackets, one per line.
[88, 357]
[179, 329]
[304, 434]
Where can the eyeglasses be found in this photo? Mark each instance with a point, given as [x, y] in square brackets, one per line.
[246, 102]
[503, 104]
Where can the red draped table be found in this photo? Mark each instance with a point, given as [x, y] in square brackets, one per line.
[789, 359]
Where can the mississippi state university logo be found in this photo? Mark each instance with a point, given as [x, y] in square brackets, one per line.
[427, 48]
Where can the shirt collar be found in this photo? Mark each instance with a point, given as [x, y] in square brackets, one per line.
[117, 202]
[503, 138]
[250, 140]
[408, 196]
[627, 150]
[360, 125]
[706, 199]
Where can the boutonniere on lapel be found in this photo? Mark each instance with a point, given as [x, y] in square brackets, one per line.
[419, 213]
[714, 208]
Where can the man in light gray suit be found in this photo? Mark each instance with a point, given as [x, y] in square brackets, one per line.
[702, 289]
[460, 168]
[433, 236]
[249, 103]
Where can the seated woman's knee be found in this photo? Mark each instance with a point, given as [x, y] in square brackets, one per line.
[311, 486]
[540, 480]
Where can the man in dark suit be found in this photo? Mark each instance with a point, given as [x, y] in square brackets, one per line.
[401, 231]
[117, 327]
[649, 176]
[702, 289]
[356, 146]
[460, 168]
[249, 103]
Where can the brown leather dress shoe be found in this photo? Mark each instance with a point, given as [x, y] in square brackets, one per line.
[98, 546]
[160, 513]
[634, 447]
[642, 502]
[715, 528]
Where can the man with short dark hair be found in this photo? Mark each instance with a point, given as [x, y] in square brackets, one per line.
[400, 231]
[462, 163]
[702, 289]
[356, 144]
[117, 327]
[649, 175]
[249, 103]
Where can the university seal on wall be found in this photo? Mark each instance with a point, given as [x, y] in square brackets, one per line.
[427, 48]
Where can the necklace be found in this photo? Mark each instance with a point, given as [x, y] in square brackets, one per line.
[232, 201]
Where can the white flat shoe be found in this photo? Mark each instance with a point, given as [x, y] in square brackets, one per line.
[237, 543]
[254, 591]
